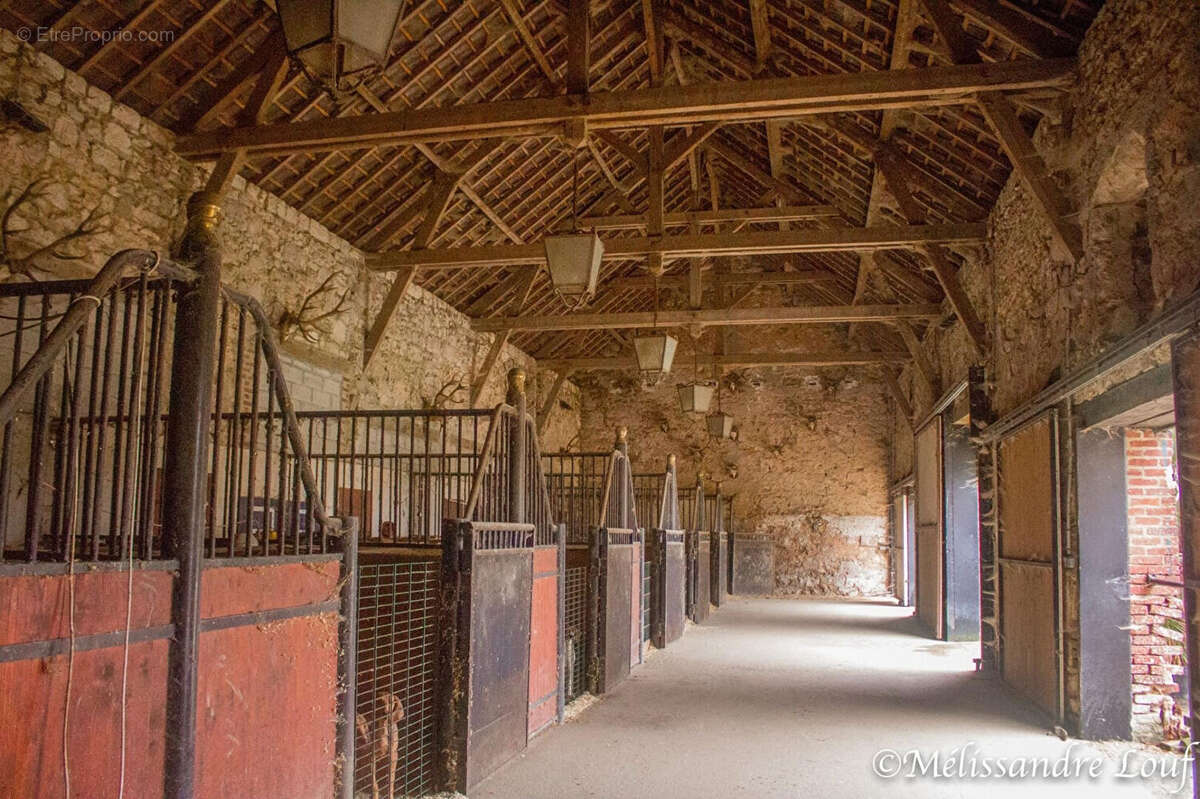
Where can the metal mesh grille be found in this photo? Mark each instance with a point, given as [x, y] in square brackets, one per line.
[575, 623]
[397, 661]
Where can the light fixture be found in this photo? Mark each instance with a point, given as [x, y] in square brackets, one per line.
[335, 40]
[656, 352]
[654, 356]
[720, 424]
[696, 396]
[573, 259]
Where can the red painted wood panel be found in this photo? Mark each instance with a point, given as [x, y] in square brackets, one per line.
[267, 710]
[543, 640]
[33, 697]
[229, 590]
[36, 606]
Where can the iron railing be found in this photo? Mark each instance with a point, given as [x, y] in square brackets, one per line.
[82, 458]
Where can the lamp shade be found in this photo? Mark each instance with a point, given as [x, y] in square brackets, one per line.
[655, 354]
[573, 261]
[696, 397]
[720, 425]
[337, 38]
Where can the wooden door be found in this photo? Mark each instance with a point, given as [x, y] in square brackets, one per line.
[928, 473]
[1027, 500]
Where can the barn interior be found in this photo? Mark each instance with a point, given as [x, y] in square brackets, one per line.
[523, 398]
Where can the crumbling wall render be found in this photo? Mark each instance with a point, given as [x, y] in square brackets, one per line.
[809, 467]
[98, 153]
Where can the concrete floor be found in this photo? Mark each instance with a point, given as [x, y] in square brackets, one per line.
[782, 698]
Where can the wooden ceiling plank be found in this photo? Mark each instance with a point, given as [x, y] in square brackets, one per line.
[130, 82]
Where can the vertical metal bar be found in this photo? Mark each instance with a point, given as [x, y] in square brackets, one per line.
[184, 480]
[252, 443]
[6, 446]
[37, 446]
[516, 460]
[268, 455]
[210, 535]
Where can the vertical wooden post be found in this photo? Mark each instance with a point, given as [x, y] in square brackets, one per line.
[517, 452]
[1185, 365]
[185, 479]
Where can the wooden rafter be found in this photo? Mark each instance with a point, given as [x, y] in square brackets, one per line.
[786, 213]
[517, 18]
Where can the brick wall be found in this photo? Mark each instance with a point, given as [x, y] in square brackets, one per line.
[1155, 610]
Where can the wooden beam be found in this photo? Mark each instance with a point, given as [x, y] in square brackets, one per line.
[266, 87]
[654, 182]
[743, 101]
[517, 18]
[387, 310]
[889, 165]
[618, 189]
[513, 283]
[961, 48]
[440, 194]
[651, 21]
[775, 184]
[681, 146]
[692, 245]
[1026, 34]
[627, 150]
[760, 25]
[215, 101]
[579, 46]
[726, 280]
[1028, 164]
[742, 359]
[917, 351]
[712, 317]
[551, 399]
[893, 384]
[524, 287]
[699, 35]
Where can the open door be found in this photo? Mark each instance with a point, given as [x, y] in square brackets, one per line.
[1027, 508]
[928, 473]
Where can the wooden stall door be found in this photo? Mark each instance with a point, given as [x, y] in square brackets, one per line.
[1027, 499]
[930, 593]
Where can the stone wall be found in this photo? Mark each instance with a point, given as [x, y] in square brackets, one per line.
[809, 466]
[102, 155]
[1125, 150]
